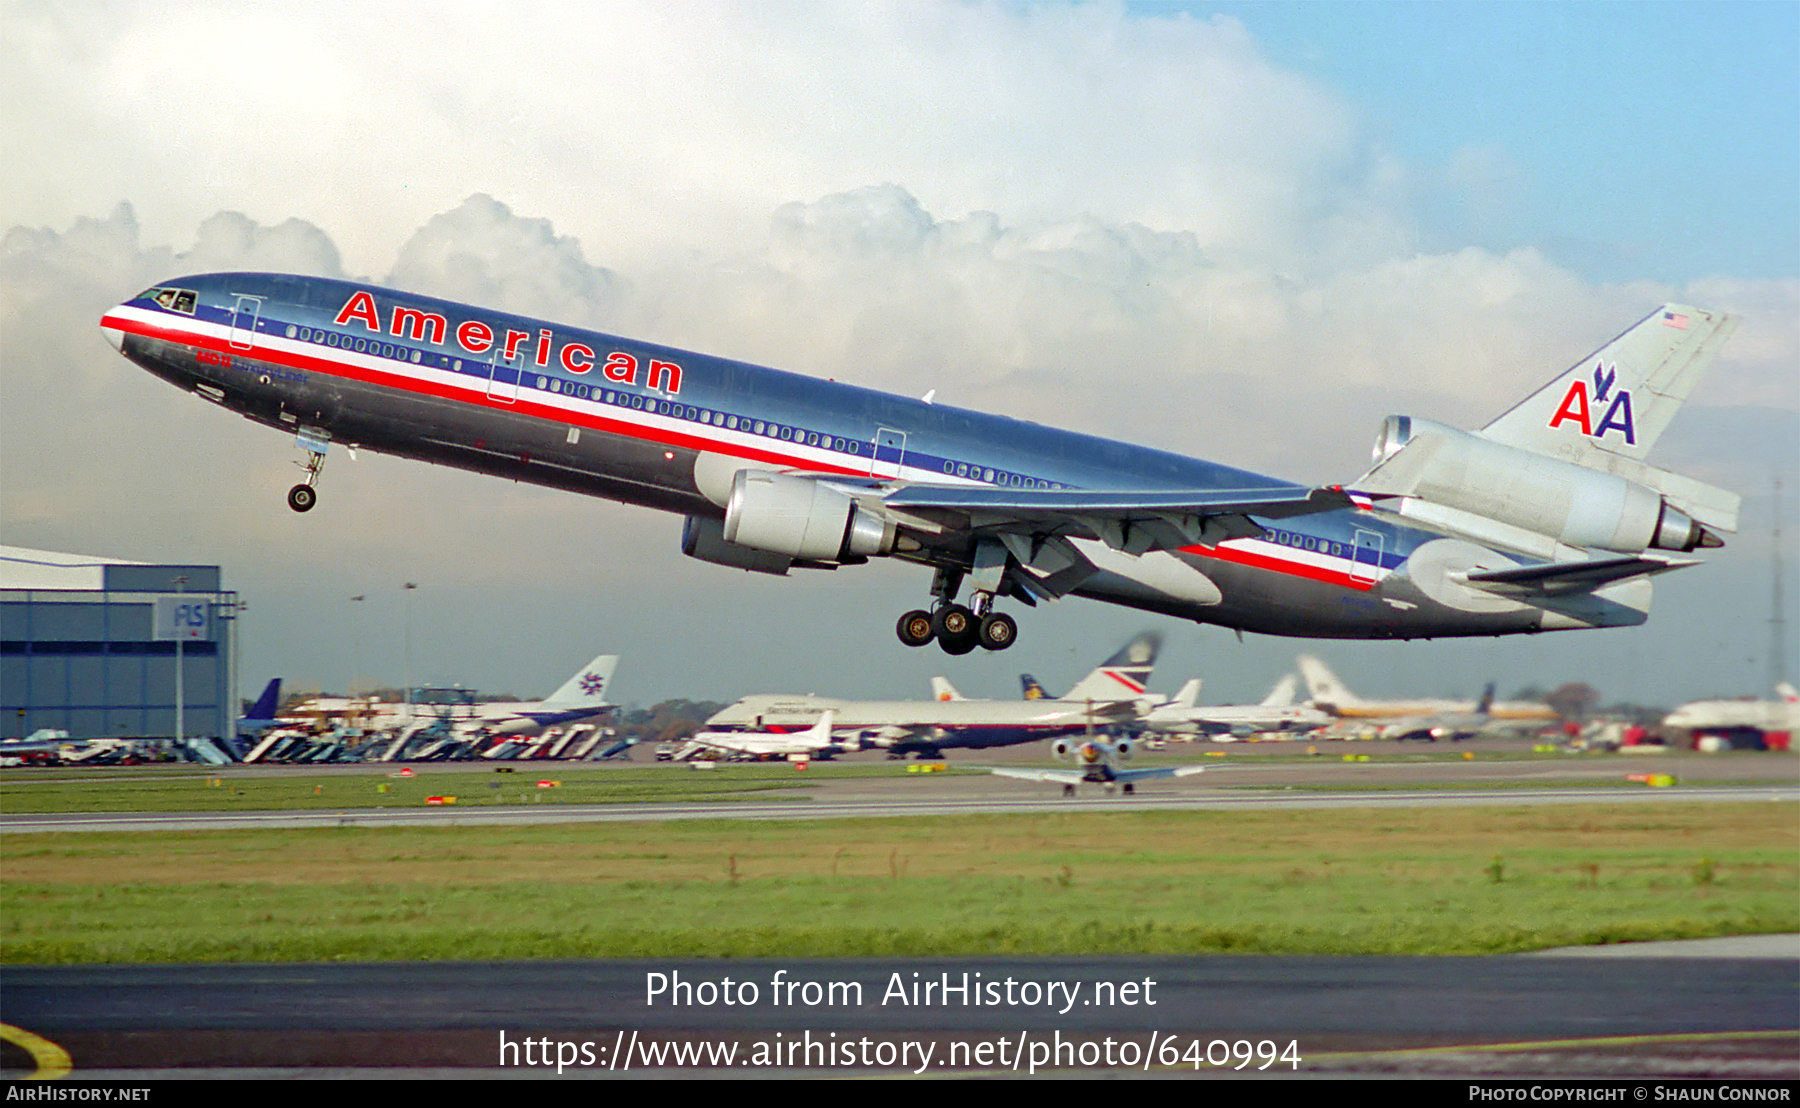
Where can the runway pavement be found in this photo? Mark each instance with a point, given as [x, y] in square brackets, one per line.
[1554, 1015]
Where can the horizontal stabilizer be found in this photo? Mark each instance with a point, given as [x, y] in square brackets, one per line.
[1562, 578]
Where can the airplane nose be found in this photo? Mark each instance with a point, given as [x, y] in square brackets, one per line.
[113, 333]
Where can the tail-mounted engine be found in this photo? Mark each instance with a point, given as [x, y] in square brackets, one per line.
[1570, 503]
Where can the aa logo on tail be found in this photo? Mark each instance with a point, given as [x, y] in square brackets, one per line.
[1580, 403]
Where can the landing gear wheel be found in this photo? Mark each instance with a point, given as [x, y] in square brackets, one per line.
[1129, 787]
[915, 628]
[952, 621]
[997, 631]
[301, 498]
[955, 628]
[1068, 790]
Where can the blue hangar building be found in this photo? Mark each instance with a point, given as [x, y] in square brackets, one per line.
[89, 646]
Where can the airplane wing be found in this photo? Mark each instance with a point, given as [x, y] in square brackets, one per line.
[1060, 776]
[1561, 578]
[1134, 521]
[1076, 776]
[1150, 773]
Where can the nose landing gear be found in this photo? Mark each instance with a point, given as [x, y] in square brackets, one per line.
[303, 496]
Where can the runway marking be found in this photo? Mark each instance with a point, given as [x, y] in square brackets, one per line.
[52, 1060]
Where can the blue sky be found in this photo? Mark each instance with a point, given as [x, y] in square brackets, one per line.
[1657, 140]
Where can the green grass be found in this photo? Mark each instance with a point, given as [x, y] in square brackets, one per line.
[1423, 881]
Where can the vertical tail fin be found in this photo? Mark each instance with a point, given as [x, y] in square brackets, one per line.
[1031, 689]
[1188, 696]
[942, 689]
[1282, 694]
[819, 734]
[1485, 706]
[1619, 399]
[1124, 675]
[1323, 685]
[589, 684]
[265, 704]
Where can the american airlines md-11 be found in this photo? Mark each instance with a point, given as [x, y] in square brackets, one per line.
[1546, 519]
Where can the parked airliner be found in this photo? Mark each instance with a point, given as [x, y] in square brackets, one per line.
[1547, 518]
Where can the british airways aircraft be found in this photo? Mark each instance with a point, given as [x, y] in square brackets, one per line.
[1546, 519]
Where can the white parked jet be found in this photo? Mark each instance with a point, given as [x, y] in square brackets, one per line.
[1112, 693]
[1277, 712]
[580, 699]
[1782, 714]
[1333, 696]
[814, 742]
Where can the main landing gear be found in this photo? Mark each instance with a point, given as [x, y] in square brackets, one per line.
[957, 629]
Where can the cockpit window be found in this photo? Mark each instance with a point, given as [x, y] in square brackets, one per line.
[176, 300]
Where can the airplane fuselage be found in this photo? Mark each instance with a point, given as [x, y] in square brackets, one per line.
[575, 409]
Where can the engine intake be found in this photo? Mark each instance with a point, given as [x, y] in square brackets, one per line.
[802, 518]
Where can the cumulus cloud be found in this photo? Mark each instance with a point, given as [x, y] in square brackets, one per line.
[481, 253]
[644, 126]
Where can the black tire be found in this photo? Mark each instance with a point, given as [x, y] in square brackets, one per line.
[916, 628]
[997, 631]
[301, 498]
[957, 646]
[956, 628]
[953, 621]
